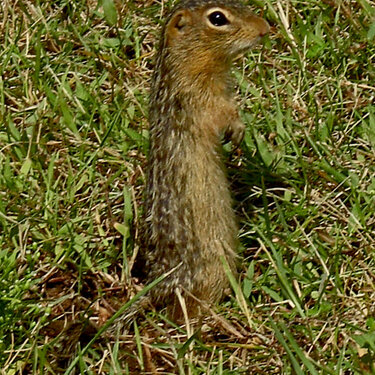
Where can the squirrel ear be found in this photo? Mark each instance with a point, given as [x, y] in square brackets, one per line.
[178, 22]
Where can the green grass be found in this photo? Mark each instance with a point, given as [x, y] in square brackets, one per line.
[74, 79]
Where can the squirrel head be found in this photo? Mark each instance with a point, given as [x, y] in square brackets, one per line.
[219, 30]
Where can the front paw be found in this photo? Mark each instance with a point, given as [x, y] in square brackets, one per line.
[235, 133]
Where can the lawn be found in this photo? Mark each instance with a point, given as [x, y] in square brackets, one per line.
[74, 85]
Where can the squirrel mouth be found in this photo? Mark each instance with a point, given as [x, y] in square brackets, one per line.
[244, 47]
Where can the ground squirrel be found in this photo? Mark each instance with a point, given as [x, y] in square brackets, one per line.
[190, 223]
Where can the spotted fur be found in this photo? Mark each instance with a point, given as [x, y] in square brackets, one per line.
[190, 221]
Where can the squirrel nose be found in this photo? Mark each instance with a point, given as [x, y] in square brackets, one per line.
[262, 25]
[265, 28]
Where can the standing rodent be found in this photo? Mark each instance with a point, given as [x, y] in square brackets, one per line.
[190, 223]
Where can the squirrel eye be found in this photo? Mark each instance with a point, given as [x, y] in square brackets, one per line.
[218, 19]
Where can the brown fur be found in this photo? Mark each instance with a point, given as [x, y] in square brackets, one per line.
[190, 221]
